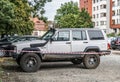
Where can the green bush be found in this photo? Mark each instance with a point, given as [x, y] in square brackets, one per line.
[111, 35]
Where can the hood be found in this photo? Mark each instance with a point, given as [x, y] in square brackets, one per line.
[25, 44]
[28, 42]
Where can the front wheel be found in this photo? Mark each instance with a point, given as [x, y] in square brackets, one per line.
[30, 62]
[91, 61]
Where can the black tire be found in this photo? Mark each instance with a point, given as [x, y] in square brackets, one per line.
[18, 61]
[91, 61]
[76, 61]
[113, 48]
[30, 62]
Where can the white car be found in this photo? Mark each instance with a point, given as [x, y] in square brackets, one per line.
[75, 45]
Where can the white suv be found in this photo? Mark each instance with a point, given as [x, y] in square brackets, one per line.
[75, 45]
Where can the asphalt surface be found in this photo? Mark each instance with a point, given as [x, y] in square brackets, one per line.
[107, 71]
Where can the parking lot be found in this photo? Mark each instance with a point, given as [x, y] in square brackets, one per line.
[107, 71]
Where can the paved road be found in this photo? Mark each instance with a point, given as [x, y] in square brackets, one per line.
[107, 71]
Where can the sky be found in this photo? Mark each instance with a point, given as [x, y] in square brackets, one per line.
[51, 7]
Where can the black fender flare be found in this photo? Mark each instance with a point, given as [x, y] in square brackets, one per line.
[96, 48]
[29, 50]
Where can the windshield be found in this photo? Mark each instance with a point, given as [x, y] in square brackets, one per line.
[8, 39]
[48, 34]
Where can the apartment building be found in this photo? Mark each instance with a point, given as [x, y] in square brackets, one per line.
[105, 14]
[99, 14]
[114, 8]
[87, 4]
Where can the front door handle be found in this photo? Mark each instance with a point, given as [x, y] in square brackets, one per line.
[68, 42]
[85, 42]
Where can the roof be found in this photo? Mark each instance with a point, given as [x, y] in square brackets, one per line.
[38, 24]
[78, 29]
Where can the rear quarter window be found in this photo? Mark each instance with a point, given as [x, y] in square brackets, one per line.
[95, 35]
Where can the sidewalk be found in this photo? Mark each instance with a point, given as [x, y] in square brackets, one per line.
[115, 52]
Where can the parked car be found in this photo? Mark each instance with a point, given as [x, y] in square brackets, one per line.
[75, 45]
[7, 41]
[115, 43]
[109, 41]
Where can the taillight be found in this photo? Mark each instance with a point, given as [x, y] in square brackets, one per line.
[108, 45]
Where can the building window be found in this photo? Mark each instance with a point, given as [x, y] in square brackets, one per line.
[113, 3]
[113, 22]
[97, 15]
[113, 13]
[97, 23]
[94, 16]
[97, 0]
[93, 8]
[117, 21]
[93, 23]
[97, 8]
[102, 22]
[103, 14]
[118, 2]
[93, 1]
[103, 6]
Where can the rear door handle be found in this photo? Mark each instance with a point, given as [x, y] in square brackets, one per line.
[85, 42]
[68, 42]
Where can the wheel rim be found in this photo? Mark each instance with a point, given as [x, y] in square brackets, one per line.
[2, 53]
[92, 60]
[31, 62]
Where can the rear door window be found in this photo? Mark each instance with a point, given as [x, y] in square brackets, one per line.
[79, 35]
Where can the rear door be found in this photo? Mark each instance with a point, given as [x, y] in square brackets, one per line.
[79, 40]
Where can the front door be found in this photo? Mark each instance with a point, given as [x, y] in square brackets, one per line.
[61, 43]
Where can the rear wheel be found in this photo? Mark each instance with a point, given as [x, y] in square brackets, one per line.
[76, 61]
[30, 62]
[91, 61]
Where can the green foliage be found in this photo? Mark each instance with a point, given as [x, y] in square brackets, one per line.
[69, 16]
[14, 17]
[65, 9]
[118, 34]
[22, 23]
[38, 6]
[111, 35]
[6, 15]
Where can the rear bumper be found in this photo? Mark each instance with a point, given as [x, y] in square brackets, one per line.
[105, 52]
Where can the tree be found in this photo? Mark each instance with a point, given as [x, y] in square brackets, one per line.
[22, 23]
[65, 9]
[68, 15]
[6, 16]
[85, 19]
[14, 17]
[38, 7]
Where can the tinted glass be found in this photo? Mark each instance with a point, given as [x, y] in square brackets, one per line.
[79, 35]
[62, 36]
[95, 35]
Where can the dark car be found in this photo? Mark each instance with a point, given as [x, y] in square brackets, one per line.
[115, 43]
[7, 41]
[13, 39]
